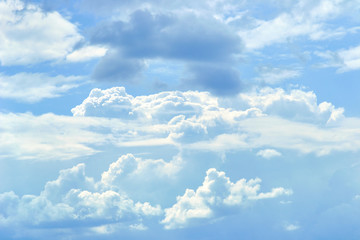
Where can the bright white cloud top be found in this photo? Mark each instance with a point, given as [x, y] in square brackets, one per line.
[194, 119]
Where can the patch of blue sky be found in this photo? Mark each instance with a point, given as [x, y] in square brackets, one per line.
[230, 122]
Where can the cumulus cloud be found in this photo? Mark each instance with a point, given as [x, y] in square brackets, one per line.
[198, 120]
[189, 120]
[296, 105]
[142, 178]
[268, 153]
[29, 35]
[130, 165]
[72, 200]
[33, 87]
[216, 197]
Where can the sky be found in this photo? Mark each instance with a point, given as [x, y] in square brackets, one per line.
[155, 119]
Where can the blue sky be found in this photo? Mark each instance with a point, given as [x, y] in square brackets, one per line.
[179, 119]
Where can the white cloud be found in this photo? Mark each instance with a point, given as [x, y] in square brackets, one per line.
[29, 35]
[291, 227]
[214, 198]
[137, 174]
[72, 199]
[138, 227]
[276, 75]
[345, 60]
[284, 134]
[350, 59]
[33, 87]
[305, 19]
[48, 137]
[268, 153]
[161, 107]
[268, 118]
[295, 105]
[86, 53]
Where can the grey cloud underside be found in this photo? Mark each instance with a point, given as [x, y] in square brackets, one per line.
[186, 37]
[206, 46]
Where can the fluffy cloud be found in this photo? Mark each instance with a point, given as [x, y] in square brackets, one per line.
[145, 179]
[296, 105]
[185, 120]
[197, 120]
[216, 197]
[71, 200]
[30, 35]
[161, 107]
[130, 165]
[268, 153]
[33, 87]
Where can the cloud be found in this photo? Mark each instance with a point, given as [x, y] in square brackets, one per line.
[130, 165]
[296, 105]
[48, 137]
[268, 153]
[160, 108]
[33, 87]
[216, 197]
[113, 67]
[30, 35]
[142, 178]
[291, 227]
[72, 200]
[217, 79]
[199, 121]
[205, 48]
[304, 19]
[86, 53]
[184, 120]
[271, 75]
[345, 60]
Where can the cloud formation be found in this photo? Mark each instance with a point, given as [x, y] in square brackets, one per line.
[148, 35]
[216, 197]
[34, 87]
[198, 120]
[29, 36]
[72, 200]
